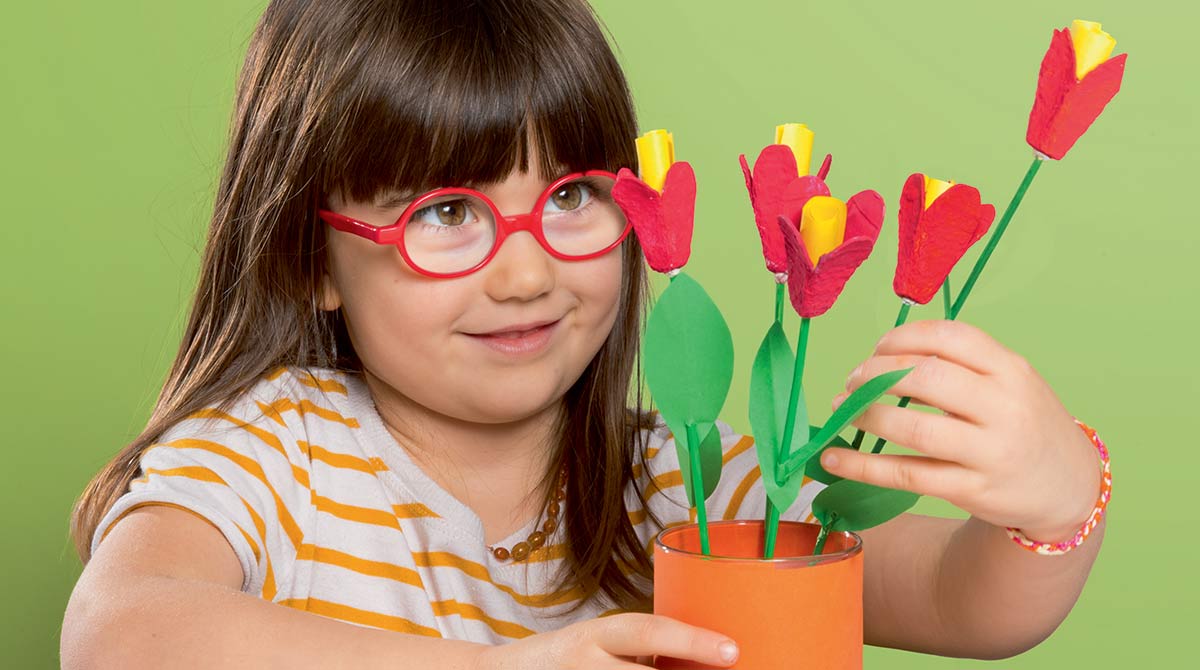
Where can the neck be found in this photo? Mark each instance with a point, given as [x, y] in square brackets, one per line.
[496, 469]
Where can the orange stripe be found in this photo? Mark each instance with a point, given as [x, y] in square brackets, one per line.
[308, 379]
[367, 515]
[469, 611]
[362, 566]
[675, 477]
[739, 494]
[254, 469]
[360, 616]
[547, 552]
[638, 516]
[275, 410]
[414, 511]
[430, 559]
[336, 460]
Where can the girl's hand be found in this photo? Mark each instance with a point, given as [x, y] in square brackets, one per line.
[618, 641]
[1004, 449]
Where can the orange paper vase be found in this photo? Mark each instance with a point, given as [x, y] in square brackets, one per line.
[792, 611]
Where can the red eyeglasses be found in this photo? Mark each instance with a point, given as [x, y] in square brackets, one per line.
[451, 232]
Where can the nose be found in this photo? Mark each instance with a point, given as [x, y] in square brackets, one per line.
[521, 269]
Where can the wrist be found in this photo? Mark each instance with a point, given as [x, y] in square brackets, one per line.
[1059, 539]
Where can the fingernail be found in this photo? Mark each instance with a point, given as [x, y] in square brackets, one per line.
[829, 460]
[853, 375]
[839, 399]
[728, 651]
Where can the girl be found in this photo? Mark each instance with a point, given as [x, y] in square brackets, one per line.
[402, 397]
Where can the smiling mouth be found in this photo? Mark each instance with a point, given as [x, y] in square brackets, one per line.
[519, 340]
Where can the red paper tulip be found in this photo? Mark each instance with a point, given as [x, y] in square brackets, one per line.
[776, 190]
[662, 221]
[1071, 95]
[814, 288]
[934, 235]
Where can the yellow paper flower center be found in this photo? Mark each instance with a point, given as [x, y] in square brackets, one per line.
[822, 226]
[656, 154]
[1092, 46]
[800, 139]
[934, 188]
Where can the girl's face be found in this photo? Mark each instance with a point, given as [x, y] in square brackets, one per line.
[498, 345]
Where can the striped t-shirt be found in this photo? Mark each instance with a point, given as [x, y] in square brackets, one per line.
[328, 514]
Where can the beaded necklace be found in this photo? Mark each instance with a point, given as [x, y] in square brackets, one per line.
[521, 550]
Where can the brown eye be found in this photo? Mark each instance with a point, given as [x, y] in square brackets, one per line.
[446, 214]
[452, 213]
[569, 196]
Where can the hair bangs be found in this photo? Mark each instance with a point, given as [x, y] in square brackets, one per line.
[463, 93]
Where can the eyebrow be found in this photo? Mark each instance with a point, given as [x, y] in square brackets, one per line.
[394, 199]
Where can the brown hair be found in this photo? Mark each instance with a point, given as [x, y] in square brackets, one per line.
[358, 97]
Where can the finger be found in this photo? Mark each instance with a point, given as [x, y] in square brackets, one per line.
[936, 436]
[936, 382]
[650, 635]
[954, 341]
[919, 474]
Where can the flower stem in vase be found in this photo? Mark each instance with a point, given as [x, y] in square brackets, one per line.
[693, 438]
[789, 426]
[946, 302]
[822, 536]
[901, 317]
[1038, 159]
[771, 519]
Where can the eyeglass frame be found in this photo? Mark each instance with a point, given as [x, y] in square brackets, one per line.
[530, 222]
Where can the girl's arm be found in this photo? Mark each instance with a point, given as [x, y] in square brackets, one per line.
[964, 589]
[162, 591]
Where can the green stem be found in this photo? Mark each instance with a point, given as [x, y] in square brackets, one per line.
[946, 297]
[901, 317]
[996, 235]
[771, 520]
[779, 298]
[770, 529]
[789, 428]
[693, 437]
[821, 538]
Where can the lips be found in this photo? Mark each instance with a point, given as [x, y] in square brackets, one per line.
[517, 330]
[522, 339]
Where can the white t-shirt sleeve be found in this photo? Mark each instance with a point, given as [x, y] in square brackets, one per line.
[241, 471]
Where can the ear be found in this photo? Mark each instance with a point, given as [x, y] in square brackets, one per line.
[330, 298]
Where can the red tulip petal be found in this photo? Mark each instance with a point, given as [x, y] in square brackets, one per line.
[773, 171]
[944, 232]
[864, 215]
[1064, 108]
[912, 205]
[643, 206]
[679, 211]
[1055, 78]
[823, 172]
[814, 290]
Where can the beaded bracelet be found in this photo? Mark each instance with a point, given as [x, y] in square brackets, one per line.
[1058, 548]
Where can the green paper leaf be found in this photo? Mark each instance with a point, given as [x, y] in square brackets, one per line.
[849, 505]
[814, 469]
[770, 387]
[850, 409]
[688, 354]
[710, 455]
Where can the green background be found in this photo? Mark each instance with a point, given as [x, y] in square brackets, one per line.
[113, 120]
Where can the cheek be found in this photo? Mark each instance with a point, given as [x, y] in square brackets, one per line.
[387, 306]
[597, 284]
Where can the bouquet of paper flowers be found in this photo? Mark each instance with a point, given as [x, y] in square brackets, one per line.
[813, 241]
